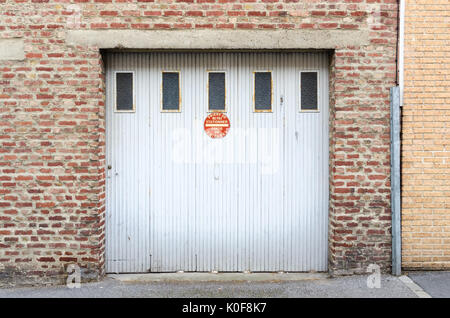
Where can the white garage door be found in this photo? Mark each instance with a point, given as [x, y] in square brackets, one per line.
[254, 200]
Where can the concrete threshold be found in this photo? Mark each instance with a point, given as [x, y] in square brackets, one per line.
[217, 277]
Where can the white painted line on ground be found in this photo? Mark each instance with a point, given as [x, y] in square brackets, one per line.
[414, 287]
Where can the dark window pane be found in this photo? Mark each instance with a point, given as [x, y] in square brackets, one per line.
[263, 91]
[216, 91]
[309, 91]
[171, 91]
[124, 91]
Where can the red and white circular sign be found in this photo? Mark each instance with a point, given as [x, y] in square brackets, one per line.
[217, 125]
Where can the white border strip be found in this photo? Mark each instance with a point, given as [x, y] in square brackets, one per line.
[414, 287]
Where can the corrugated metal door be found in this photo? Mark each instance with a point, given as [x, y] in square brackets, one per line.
[256, 200]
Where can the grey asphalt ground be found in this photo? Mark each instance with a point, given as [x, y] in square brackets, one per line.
[436, 284]
[348, 286]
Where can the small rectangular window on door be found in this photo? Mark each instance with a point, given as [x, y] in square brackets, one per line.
[171, 97]
[262, 94]
[216, 92]
[309, 91]
[124, 92]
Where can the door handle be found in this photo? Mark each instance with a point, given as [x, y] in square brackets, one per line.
[109, 167]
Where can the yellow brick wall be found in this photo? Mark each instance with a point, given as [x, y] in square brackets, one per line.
[426, 136]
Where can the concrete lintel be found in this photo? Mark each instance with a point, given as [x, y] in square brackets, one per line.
[12, 49]
[217, 39]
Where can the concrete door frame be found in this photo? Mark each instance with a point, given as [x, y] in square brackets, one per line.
[223, 40]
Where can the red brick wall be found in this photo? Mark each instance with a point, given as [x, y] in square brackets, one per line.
[52, 157]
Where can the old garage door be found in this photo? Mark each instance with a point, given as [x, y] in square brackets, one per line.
[255, 200]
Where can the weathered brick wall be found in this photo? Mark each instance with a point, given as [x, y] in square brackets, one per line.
[52, 157]
[426, 136]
